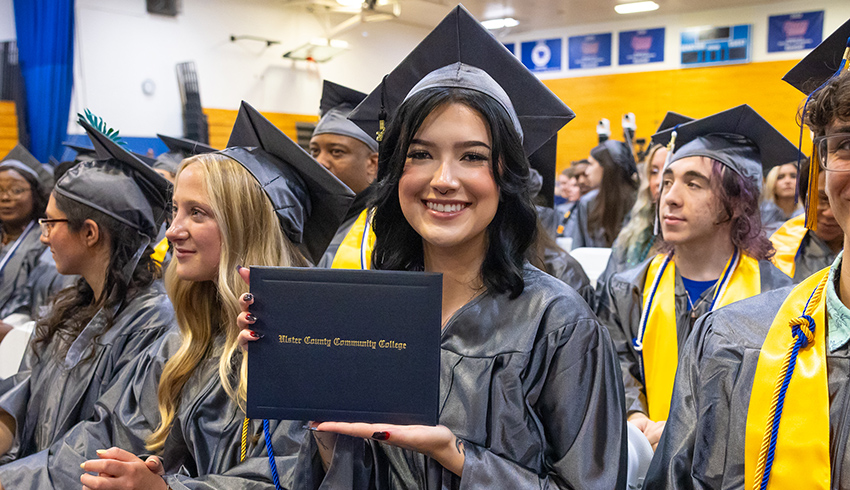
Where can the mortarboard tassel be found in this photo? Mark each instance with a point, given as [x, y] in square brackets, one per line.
[382, 116]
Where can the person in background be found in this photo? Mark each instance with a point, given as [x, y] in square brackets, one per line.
[779, 202]
[514, 413]
[114, 311]
[580, 169]
[637, 239]
[348, 153]
[762, 394]
[714, 253]
[24, 189]
[166, 164]
[600, 214]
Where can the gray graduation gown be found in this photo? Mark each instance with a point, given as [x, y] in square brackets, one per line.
[703, 442]
[202, 450]
[48, 396]
[532, 387]
[576, 227]
[20, 265]
[42, 284]
[813, 255]
[619, 308]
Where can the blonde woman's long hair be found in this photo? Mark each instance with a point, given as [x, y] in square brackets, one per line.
[206, 311]
[636, 237]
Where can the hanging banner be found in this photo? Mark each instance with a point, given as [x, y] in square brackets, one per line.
[511, 47]
[591, 51]
[794, 32]
[707, 46]
[543, 55]
[639, 47]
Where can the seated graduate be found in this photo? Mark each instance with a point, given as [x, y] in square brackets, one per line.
[714, 253]
[761, 397]
[600, 213]
[184, 397]
[637, 240]
[348, 152]
[800, 251]
[24, 189]
[565, 221]
[779, 202]
[530, 388]
[115, 309]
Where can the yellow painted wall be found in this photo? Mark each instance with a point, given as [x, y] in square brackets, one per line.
[221, 121]
[694, 92]
[8, 127]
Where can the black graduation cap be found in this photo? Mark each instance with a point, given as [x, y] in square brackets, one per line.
[460, 39]
[178, 149]
[118, 184]
[21, 160]
[544, 161]
[337, 103]
[738, 138]
[620, 153]
[309, 200]
[84, 153]
[671, 120]
[821, 63]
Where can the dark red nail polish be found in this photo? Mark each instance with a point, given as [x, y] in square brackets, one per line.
[238, 267]
[254, 334]
[248, 297]
[251, 318]
[381, 436]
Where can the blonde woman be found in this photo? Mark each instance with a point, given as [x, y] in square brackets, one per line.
[192, 415]
[780, 189]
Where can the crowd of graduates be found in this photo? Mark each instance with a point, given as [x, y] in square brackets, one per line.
[712, 352]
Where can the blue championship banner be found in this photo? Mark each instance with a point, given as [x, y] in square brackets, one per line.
[639, 47]
[591, 51]
[544, 55]
[794, 32]
[707, 46]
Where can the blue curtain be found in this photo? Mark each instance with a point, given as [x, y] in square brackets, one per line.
[45, 32]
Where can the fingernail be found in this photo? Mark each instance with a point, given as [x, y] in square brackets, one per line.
[254, 334]
[238, 267]
[83, 465]
[247, 297]
[251, 318]
[381, 436]
[100, 451]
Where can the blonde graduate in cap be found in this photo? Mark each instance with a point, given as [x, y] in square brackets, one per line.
[530, 392]
[762, 398]
[261, 201]
[114, 310]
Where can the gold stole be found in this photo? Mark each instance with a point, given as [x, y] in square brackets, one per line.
[160, 250]
[797, 454]
[355, 251]
[786, 240]
[657, 338]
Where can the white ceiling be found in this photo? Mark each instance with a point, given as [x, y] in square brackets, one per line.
[532, 14]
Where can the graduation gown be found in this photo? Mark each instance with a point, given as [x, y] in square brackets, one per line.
[619, 307]
[42, 284]
[576, 226]
[703, 442]
[531, 385]
[48, 396]
[561, 264]
[201, 452]
[361, 202]
[19, 266]
[814, 254]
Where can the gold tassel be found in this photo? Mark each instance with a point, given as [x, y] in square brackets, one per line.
[812, 193]
[380, 134]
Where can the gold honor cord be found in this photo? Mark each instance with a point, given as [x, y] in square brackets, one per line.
[243, 451]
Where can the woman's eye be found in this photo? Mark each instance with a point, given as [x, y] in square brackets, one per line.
[476, 157]
[418, 155]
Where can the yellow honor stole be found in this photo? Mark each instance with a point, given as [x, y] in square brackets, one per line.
[657, 340]
[790, 386]
[786, 240]
[160, 250]
[355, 251]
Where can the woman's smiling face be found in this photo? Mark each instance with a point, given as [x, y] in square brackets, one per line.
[447, 191]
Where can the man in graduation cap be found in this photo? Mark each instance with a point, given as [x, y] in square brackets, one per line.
[166, 164]
[24, 189]
[713, 248]
[348, 152]
[762, 397]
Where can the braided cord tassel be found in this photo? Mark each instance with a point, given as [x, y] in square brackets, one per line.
[270, 450]
[803, 332]
[244, 447]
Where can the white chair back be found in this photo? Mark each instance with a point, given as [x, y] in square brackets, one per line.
[593, 260]
[12, 349]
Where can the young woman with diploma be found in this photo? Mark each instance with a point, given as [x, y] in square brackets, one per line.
[261, 201]
[529, 388]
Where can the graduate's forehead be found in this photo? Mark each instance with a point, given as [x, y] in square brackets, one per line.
[693, 167]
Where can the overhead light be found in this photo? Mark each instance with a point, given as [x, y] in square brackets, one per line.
[500, 23]
[635, 7]
[350, 3]
[318, 49]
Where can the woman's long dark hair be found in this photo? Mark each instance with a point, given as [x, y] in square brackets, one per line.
[617, 194]
[73, 307]
[513, 229]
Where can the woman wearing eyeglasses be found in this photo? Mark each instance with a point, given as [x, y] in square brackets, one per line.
[116, 308]
[24, 186]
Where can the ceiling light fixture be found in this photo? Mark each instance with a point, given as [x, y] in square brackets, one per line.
[500, 23]
[635, 7]
[350, 3]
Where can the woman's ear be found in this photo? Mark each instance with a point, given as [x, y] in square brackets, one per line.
[91, 233]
